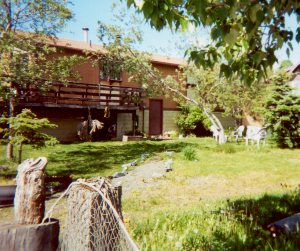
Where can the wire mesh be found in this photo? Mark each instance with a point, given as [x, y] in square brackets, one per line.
[94, 219]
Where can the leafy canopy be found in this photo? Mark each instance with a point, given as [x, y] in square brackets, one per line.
[218, 93]
[39, 16]
[26, 60]
[245, 33]
[25, 54]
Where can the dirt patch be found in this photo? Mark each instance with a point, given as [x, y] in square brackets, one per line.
[142, 176]
[199, 180]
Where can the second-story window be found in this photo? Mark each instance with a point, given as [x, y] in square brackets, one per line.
[110, 72]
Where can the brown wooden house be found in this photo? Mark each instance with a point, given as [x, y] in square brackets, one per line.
[68, 105]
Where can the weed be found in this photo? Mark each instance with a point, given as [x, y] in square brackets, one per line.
[189, 153]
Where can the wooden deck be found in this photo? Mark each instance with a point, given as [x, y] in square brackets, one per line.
[81, 95]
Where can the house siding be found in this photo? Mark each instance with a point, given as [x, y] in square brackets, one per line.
[169, 118]
[226, 121]
[124, 124]
[67, 122]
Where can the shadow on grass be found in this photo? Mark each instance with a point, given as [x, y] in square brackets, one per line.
[88, 159]
[237, 225]
[253, 216]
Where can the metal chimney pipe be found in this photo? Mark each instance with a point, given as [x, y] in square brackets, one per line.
[85, 34]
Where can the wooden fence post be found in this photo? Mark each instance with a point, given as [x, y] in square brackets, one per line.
[30, 191]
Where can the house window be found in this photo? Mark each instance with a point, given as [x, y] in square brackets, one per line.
[110, 72]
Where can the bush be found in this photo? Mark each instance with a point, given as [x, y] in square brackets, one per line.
[189, 153]
[189, 118]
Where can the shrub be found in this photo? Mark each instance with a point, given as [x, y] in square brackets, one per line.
[189, 118]
[189, 153]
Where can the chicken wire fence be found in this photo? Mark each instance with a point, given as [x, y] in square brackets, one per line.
[94, 218]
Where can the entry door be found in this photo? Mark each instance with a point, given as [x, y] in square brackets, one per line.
[155, 117]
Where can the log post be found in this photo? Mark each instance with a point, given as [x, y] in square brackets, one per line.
[30, 192]
[91, 223]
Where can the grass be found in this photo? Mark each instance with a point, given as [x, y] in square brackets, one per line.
[238, 224]
[85, 160]
[216, 197]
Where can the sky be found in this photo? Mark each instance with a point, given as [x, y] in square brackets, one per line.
[89, 12]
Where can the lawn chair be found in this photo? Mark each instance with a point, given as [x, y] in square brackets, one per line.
[215, 132]
[237, 133]
[256, 133]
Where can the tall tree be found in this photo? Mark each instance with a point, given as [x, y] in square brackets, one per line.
[245, 34]
[282, 110]
[24, 62]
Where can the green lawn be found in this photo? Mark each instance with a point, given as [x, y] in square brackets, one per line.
[221, 199]
[86, 160]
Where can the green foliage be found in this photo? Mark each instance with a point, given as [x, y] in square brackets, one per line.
[189, 117]
[26, 59]
[285, 64]
[26, 128]
[24, 47]
[238, 224]
[47, 17]
[217, 92]
[189, 153]
[282, 110]
[238, 31]
[140, 70]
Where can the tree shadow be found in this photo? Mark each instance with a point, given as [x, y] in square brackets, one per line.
[253, 216]
[88, 160]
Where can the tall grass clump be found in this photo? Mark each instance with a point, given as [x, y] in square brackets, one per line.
[189, 153]
[225, 148]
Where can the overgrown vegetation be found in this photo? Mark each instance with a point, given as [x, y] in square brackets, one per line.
[218, 202]
[238, 224]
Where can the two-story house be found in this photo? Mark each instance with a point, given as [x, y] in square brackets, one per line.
[109, 97]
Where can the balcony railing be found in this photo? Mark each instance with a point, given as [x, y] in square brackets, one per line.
[80, 95]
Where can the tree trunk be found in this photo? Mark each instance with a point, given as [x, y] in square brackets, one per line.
[20, 154]
[9, 151]
[30, 192]
[11, 111]
[11, 107]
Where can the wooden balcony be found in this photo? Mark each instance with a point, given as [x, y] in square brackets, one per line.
[81, 95]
